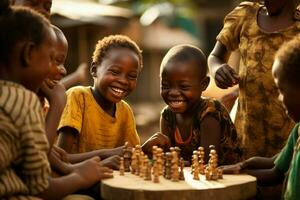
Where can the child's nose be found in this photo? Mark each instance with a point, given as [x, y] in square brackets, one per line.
[174, 92]
[62, 70]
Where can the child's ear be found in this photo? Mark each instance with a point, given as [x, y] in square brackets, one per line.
[93, 70]
[26, 53]
[205, 83]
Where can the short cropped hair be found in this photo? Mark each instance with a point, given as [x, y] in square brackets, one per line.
[186, 53]
[289, 57]
[115, 41]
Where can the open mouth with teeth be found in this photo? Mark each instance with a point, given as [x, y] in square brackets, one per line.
[176, 103]
[118, 92]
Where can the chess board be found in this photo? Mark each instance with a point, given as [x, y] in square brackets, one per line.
[132, 187]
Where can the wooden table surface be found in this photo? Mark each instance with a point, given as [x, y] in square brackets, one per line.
[132, 187]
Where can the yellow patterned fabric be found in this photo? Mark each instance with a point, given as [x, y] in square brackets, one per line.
[24, 167]
[261, 120]
[97, 129]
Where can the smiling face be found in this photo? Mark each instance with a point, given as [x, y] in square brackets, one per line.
[42, 6]
[116, 76]
[182, 84]
[58, 70]
[289, 91]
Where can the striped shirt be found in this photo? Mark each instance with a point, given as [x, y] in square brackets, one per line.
[24, 167]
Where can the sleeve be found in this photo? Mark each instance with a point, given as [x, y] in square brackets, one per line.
[284, 159]
[72, 115]
[233, 22]
[6, 142]
[131, 135]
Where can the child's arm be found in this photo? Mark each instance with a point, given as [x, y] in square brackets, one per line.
[224, 75]
[211, 130]
[269, 177]
[77, 77]
[110, 156]
[85, 175]
[57, 101]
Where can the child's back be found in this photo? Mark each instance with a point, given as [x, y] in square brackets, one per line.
[23, 144]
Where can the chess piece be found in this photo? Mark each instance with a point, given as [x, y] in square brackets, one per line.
[168, 165]
[155, 173]
[142, 159]
[133, 161]
[127, 157]
[196, 167]
[220, 173]
[174, 167]
[181, 173]
[121, 169]
[201, 160]
[207, 173]
[148, 176]
[159, 154]
[138, 159]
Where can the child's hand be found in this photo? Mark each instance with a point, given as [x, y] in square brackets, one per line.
[91, 171]
[226, 77]
[232, 169]
[113, 152]
[112, 162]
[56, 93]
[59, 162]
[158, 139]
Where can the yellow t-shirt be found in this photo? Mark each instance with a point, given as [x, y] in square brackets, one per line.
[97, 129]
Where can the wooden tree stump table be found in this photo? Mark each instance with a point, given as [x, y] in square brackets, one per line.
[132, 187]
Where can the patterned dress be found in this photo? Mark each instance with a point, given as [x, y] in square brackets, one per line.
[230, 151]
[261, 120]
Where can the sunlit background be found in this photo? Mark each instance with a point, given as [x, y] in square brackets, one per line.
[156, 26]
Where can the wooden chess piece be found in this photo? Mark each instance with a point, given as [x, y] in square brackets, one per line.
[174, 167]
[148, 175]
[196, 167]
[121, 169]
[181, 173]
[127, 157]
[220, 173]
[133, 161]
[168, 165]
[155, 173]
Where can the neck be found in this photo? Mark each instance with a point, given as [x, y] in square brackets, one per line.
[191, 112]
[9, 74]
[286, 12]
[107, 106]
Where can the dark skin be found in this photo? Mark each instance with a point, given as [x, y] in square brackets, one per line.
[275, 15]
[44, 7]
[182, 84]
[114, 79]
[263, 168]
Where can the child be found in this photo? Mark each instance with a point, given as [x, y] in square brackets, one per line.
[190, 121]
[25, 61]
[285, 72]
[256, 30]
[44, 7]
[97, 117]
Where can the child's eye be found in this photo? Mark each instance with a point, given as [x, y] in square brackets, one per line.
[114, 72]
[185, 87]
[132, 76]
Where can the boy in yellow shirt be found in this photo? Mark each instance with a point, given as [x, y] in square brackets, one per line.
[97, 117]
